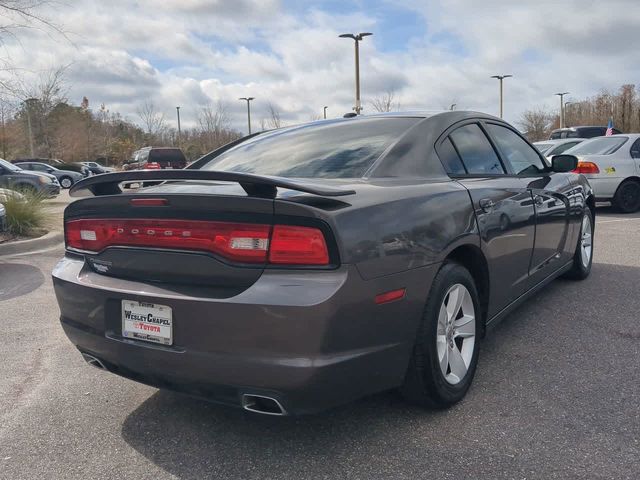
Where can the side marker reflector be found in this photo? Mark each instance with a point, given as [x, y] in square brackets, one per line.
[391, 296]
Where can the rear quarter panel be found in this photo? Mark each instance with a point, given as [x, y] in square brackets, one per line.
[390, 226]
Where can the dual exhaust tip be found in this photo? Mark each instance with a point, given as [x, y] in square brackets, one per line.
[252, 403]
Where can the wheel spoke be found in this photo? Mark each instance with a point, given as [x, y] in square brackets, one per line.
[456, 363]
[465, 327]
[455, 301]
[443, 353]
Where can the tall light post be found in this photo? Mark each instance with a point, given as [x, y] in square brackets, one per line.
[28, 103]
[325, 111]
[179, 130]
[501, 78]
[357, 39]
[561, 95]
[248, 100]
[566, 112]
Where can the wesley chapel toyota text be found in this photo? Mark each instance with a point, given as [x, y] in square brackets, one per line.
[304, 267]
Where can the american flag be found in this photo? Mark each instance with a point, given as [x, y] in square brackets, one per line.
[609, 128]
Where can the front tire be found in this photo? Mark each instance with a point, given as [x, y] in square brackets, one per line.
[445, 354]
[583, 256]
[627, 197]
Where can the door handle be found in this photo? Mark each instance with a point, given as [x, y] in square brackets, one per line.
[486, 204]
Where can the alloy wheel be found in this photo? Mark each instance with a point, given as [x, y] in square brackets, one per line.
[66, 183]
[456, 333]
[631, 196]
[586, 241]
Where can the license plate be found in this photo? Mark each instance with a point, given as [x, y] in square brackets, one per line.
[147, 321]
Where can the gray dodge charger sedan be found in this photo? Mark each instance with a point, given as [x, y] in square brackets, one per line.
[301, 268]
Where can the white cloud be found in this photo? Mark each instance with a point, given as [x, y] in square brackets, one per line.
[190, 52]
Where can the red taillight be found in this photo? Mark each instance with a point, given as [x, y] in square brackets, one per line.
[292, 245]
[149, 202]
[151, 166]
[586, 167]
[245, 243]
[238, 242]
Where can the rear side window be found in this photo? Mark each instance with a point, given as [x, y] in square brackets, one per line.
[450, 158]
[167, 155]
[477, 154]
[341, 149]
[522, 157]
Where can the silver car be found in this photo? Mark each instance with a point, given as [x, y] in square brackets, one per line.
[612, 165]
[555, 147]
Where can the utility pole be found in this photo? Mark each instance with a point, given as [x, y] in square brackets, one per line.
[501, 78]
[179, 130]
[27, 103]
[325, 112]
[357, 38]
[248, 100]
[561, 95]
[4, 134]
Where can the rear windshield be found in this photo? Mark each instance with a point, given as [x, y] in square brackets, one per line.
[166, 154]
[598, 146]
[543, 147]
[344, 149]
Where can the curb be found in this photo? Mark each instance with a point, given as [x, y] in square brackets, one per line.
[31, 245]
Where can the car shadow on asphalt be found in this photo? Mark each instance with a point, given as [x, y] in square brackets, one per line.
[191, 438]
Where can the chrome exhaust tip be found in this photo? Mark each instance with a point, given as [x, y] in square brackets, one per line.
[263, 405]
[93, 361]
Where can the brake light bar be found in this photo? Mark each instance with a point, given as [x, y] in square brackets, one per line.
[237, 242]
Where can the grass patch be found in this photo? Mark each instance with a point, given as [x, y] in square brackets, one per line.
[25, 213]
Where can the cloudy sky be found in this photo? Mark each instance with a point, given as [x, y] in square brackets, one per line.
[431, 53]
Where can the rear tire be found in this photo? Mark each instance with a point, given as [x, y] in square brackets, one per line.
[627, 197]
[66, 182]
[583, 256]
[448, 334]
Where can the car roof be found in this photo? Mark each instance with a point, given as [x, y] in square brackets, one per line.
[560, 141]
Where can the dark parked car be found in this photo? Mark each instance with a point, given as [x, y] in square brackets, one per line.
[3, 218]
[13, 177]
[156, 158]
[59, 164]
[96, 169]
[580, 132]
[308, 266]
[66, 178]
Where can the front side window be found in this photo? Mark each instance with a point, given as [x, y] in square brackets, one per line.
[477, 154]
[599, 146]
[342, 149]
[522, 157]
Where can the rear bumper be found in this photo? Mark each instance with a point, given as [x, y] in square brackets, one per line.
[311, 340]
[604, 187]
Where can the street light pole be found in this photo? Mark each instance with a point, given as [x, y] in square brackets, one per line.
[566, 112]
[248, 100]
[501, 78]
[179, 130]
[325, 112]
[357, 38]
[561, 95]
[27, 103]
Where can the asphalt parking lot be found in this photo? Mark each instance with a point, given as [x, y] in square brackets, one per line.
[556, 395]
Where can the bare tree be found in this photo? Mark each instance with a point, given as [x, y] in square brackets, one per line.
[536, 123]
[152, 120]
[386, 102]
[274, 116]
[214, 124]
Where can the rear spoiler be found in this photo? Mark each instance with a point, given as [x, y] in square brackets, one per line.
[254, 185]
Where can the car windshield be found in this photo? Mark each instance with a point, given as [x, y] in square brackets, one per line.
[340, 149]
[598, 146]
[543, 147]
[9, 166]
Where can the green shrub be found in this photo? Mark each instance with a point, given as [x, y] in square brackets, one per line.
[25, 214]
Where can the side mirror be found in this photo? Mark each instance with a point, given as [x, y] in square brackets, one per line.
[564, 163]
